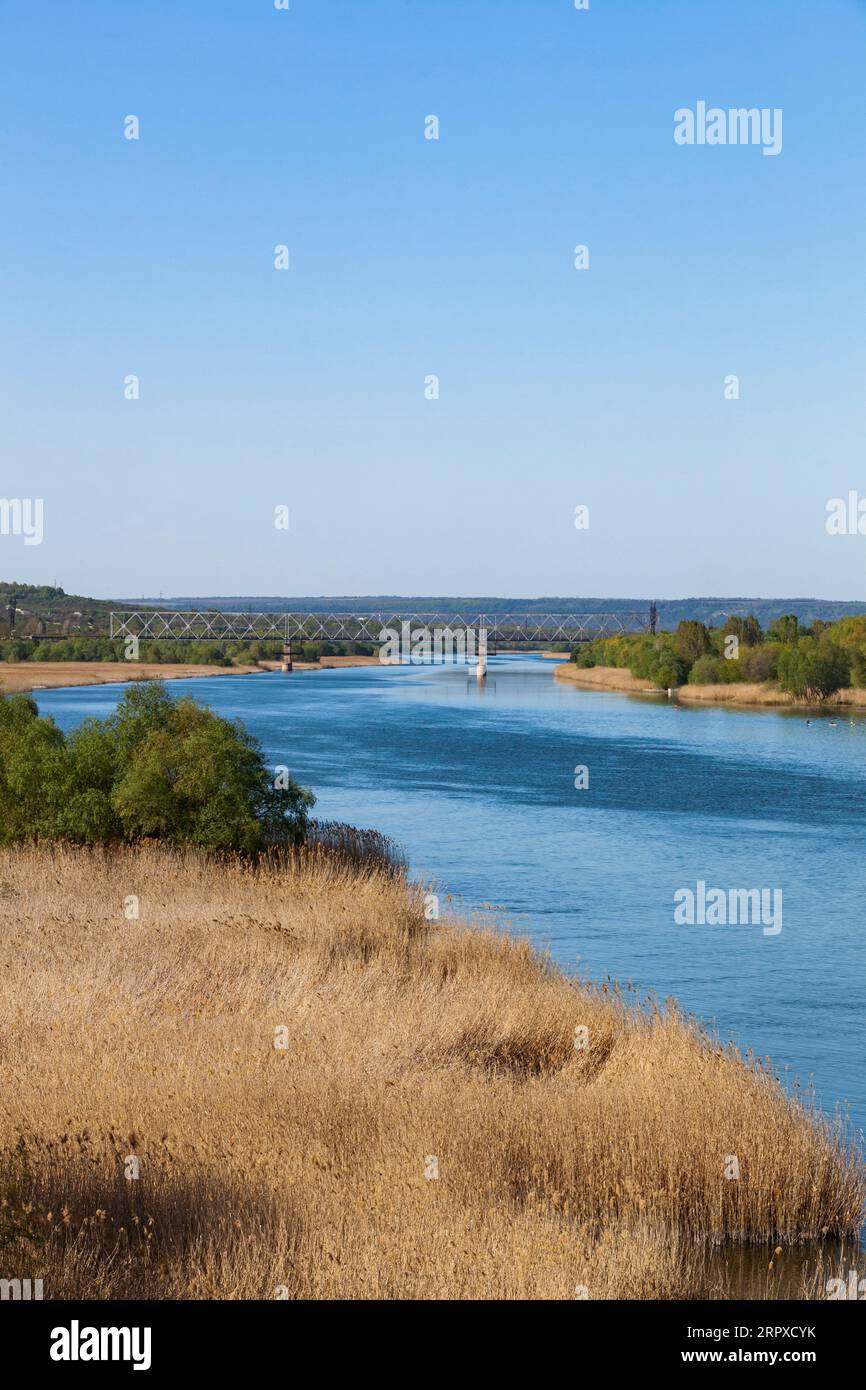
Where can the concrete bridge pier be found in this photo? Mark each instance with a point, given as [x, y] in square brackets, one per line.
[287, 656]
[481, 668]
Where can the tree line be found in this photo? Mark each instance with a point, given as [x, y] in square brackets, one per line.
[191, 653]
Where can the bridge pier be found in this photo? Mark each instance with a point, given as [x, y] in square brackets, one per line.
[287, 656]
[481, 668]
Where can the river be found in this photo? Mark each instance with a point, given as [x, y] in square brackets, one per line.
[478, 786]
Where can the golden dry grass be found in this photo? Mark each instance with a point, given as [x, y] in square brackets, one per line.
[603, 678]
[18, 676]
[263, 1168]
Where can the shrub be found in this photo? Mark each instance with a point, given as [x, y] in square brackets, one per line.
[760, 663]
[157, 768]
[582, 656]
[667, 674]
[708, 670]
[813, 670]
[657, 659]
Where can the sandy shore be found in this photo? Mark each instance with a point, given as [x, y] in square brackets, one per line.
[327, 663]
[737, 693]
[18, 676]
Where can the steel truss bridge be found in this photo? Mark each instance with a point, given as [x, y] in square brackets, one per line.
[501, 629]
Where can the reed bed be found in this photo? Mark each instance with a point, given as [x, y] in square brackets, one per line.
[324, 1095]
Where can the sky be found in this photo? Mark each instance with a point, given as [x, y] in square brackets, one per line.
[309, 388]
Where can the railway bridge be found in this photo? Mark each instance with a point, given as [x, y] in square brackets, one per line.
[481, 632]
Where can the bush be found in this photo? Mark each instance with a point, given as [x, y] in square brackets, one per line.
[708, 670]
[582, 656]
[760, 663]
[157, 768]
[858, 670]
[813, 670]
[657, 659]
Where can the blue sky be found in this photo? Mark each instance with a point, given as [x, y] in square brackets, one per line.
[410, 257]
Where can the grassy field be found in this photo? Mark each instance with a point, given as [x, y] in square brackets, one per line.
[289, 1083]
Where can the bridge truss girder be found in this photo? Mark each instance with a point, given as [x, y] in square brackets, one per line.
[525, 629]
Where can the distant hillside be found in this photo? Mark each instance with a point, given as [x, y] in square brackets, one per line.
[712, 611]
[31, 610]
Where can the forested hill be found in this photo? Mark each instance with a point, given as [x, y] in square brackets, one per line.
[32, 609]
[712, 611]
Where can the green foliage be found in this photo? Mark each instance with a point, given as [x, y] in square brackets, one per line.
[157, 768]
[785, 629]
[813, 669]
[583, 656]
[692, 641]
[810, 667]
[191, 653]
[33, 770]
[708, 670]
[748, 630]
[662, 663]
[760, 663]
[850, 635]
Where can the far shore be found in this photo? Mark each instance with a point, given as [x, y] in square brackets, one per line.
[744, 693]
[18, 677]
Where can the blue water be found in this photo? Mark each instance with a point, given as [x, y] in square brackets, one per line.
[478, 787]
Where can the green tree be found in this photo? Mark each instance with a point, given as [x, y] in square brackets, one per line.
[692, 641]
[156, 768]
[748, 630]
[786, 629]
[34, 769]
[813, 670]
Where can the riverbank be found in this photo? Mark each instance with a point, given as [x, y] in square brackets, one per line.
[315, 1089]
[604, 678]
[327, 663]
[18, 677]
[735, 693]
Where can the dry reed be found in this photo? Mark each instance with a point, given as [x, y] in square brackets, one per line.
[286, 1050]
